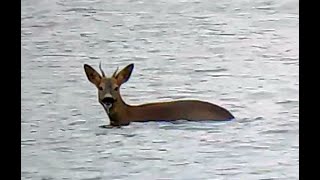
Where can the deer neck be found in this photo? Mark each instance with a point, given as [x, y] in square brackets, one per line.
[119, 113]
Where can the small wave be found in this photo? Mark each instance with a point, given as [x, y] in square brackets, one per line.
[78, 122]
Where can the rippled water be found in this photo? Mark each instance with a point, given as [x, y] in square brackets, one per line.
[242, 55]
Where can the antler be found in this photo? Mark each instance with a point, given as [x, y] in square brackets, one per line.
[101, 70]
[115, 72]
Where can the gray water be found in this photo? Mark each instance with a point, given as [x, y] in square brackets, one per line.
[242, 55]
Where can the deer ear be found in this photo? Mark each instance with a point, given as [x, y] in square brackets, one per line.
[124, 75]
[92, 75]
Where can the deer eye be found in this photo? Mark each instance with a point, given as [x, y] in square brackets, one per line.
[116, 88]
[100, 88]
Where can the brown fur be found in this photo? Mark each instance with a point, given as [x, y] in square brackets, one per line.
[121, 113]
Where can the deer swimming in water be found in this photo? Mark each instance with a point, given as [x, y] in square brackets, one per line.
[121, 114]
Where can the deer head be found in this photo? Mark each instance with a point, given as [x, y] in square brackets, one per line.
[108, 87]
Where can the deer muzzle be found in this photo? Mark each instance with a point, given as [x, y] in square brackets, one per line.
[107, 102]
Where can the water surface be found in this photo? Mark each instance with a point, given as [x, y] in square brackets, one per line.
[242, 55]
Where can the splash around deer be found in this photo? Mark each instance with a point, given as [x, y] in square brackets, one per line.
[121, 114]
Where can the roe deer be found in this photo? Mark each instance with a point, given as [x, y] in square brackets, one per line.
[121, 113]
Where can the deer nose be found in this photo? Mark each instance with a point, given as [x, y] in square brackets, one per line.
[108, 100]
